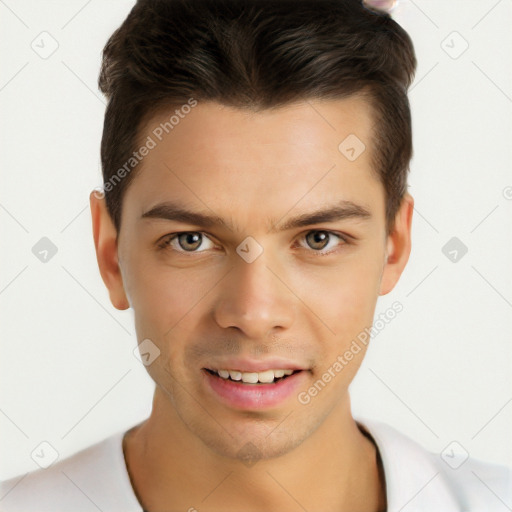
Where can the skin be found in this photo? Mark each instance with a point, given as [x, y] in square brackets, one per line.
[254, 170]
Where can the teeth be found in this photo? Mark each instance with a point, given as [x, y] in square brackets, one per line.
[250, 378]
[235, 375]
[265, 377]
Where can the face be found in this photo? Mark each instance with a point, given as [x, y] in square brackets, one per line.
[253, 282]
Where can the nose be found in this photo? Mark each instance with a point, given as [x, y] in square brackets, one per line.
[255, 299]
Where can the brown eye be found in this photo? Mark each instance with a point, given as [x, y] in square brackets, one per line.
[323, 242]
[318, 239]
[190, 241]
[187, 241]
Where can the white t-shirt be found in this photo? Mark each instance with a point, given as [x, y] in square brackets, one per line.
[96, 479]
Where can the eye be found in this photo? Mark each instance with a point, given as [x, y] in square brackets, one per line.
[186, 241]
[319, 240]
[322, 242]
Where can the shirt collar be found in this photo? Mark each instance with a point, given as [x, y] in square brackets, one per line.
[414, 482]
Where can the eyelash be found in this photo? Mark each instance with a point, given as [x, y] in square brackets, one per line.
[166, 241]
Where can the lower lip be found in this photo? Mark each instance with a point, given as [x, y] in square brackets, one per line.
[254, 396]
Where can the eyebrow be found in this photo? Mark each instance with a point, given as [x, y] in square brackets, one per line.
[173, 211]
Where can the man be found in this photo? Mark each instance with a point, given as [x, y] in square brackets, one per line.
[255, 158]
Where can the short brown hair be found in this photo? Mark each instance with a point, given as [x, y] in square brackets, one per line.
[257, 54]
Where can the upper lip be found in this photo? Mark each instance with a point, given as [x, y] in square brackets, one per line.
[252, 365]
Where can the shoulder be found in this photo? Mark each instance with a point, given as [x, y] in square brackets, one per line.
[478, 485]
[452, 480]
[92, 479]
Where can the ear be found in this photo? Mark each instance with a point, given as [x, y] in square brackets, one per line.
[105, 242]
[398, 246]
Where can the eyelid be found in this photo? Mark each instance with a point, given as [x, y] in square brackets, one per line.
[346, 239]
[165, 241]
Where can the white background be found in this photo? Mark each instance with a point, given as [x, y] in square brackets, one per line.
[439, 372]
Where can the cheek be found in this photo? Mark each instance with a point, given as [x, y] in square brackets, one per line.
[162, 296]
[341, 295]
[344, 297]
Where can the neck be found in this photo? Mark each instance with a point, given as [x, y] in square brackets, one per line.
[335, 469]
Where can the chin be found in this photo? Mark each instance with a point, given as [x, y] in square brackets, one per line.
[253, 439]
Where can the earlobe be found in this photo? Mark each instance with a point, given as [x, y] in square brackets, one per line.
[105, 243]
[398, 246]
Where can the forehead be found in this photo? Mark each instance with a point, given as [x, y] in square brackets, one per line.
[304, 152]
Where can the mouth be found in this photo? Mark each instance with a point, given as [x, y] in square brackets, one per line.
[253, 390]
[254, 378]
